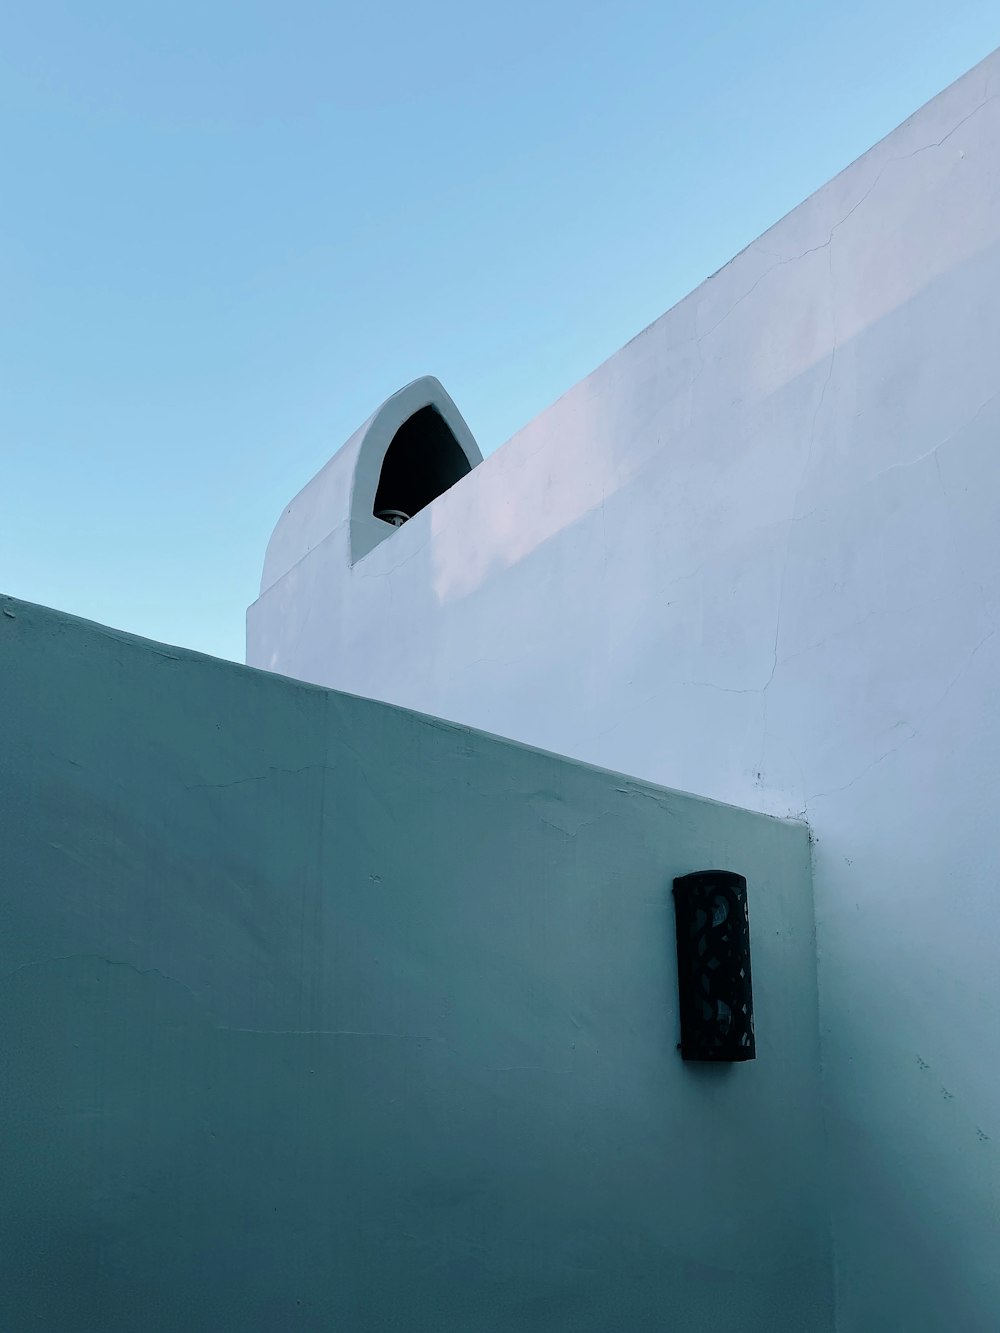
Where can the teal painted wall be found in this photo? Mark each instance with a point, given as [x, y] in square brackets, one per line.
[323, 1015]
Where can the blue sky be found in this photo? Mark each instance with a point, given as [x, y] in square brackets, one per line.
[230, 230]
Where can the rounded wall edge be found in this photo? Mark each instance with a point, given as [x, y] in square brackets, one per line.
[322, 505]
[344, 488]
[427, 391]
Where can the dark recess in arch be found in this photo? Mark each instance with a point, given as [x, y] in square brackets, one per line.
[423, 460]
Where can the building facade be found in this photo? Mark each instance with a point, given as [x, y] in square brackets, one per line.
[756, 556]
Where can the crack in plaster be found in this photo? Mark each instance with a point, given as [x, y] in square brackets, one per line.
[509, 1069]
[571, 832]
[272, 1032]
[915, 730]
[175, 981]
[903, 157]
[258, 777]
[931, 453]
[810, 449]
[99, 958]
[856, 624]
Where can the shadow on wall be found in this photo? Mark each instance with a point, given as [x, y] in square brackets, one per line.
[737, 662]
[515, 519]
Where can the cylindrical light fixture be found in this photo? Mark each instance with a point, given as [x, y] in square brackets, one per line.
[713, 966]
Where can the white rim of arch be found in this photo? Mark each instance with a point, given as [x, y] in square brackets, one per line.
[366, 531]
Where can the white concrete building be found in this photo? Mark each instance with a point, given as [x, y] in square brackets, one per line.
[756, 556]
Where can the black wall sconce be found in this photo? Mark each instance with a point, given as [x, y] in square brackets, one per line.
[713, 966]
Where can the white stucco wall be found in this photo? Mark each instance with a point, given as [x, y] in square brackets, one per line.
[756, 555]
[336, 505]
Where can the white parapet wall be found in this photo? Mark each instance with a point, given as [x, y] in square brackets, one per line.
[756, 555]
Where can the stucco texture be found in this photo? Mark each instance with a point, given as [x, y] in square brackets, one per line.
[319, 1014]
[756, 555]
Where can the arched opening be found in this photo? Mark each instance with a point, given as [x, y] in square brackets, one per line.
[422, 461]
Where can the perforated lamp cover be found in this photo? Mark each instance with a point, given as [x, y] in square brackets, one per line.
[713, 966]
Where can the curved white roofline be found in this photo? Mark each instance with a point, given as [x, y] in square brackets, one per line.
[343, 492]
